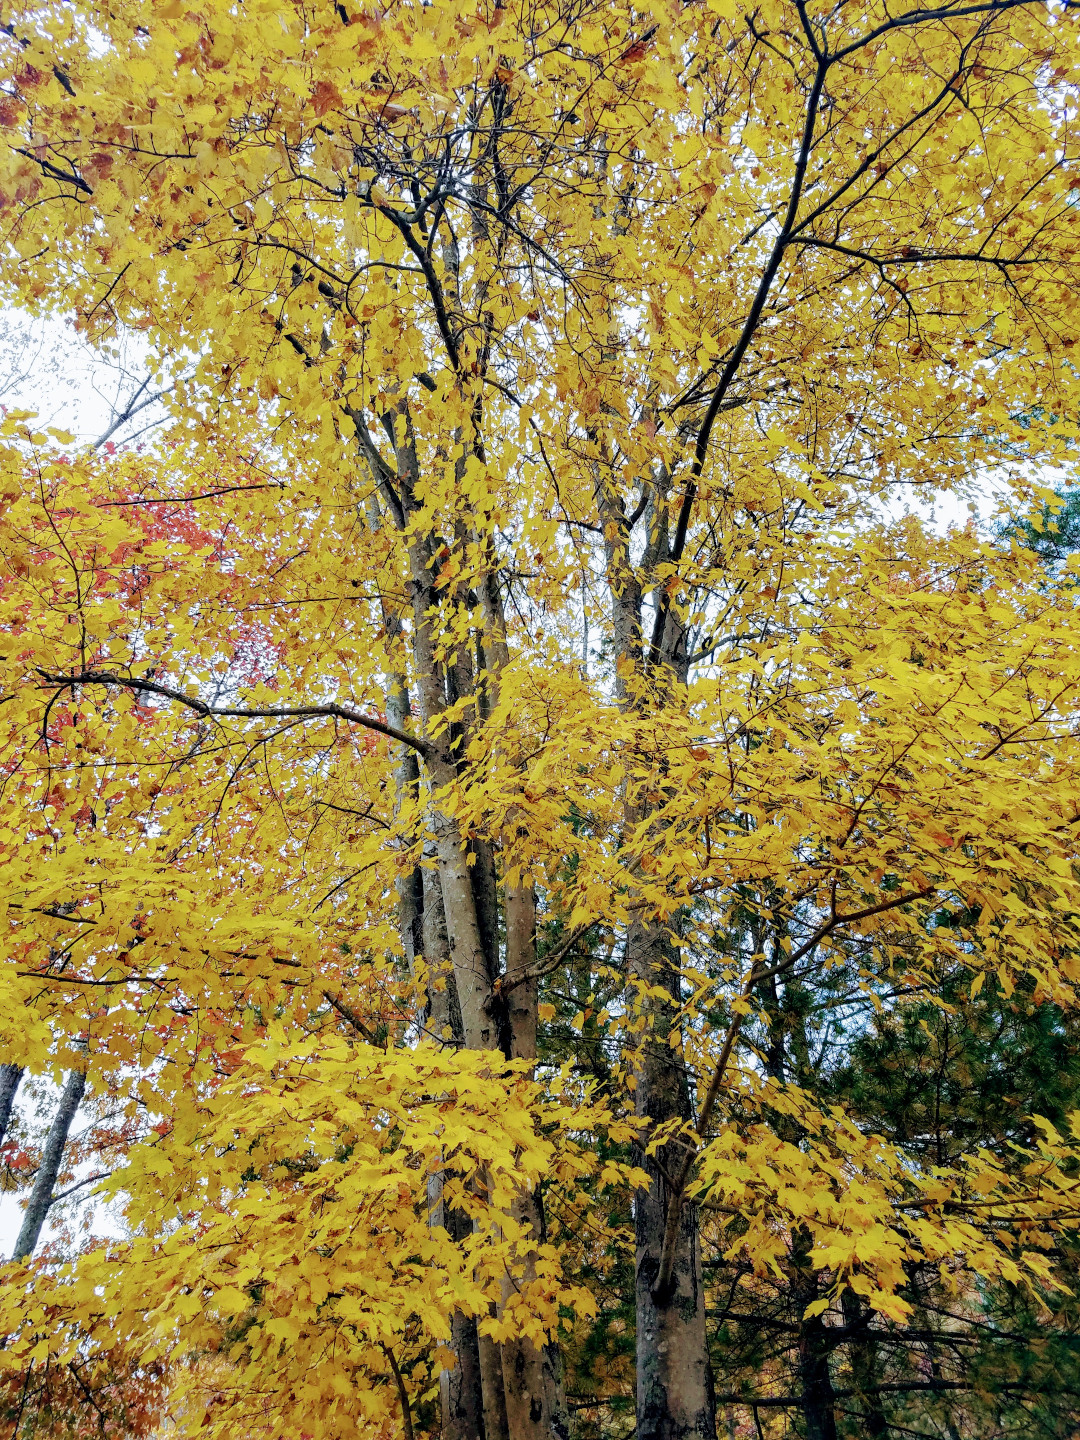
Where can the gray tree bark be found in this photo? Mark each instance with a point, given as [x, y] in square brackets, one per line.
[410, 884]
[41, 1196]
[465, 869]
[535, 1396]
[461, 1389]
[674, 1374]
[10, 1076]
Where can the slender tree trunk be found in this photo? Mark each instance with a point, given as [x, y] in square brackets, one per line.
[461, 683]
[535, 1397]
[468, 885]
[493, 1386]
[471, 961]
[521, 982]
[862, 1350]
[532, 1376]
[674, 1372]
[469, 948]
[423, 929]
[464, 1415]
[410, 885]
[444, 1009]
[41, 1196]
[461, 1389]
[674, 1376]
[816, 1387]
[787, 1026]
[10, 1076]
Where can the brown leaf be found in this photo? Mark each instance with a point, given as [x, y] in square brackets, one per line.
[325, 97]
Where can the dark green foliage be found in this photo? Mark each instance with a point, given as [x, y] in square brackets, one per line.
[1054, 534]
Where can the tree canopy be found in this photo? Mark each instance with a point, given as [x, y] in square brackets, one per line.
[552, 883]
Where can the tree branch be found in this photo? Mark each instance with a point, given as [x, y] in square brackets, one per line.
[213, 712]
[741, 346]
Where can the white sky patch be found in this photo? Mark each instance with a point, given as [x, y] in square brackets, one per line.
[46, 367]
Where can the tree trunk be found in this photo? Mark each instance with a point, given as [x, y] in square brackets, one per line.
[674, 1377]
[816, 1388]
[862, 1350]
[493, 1385]
[674, 1374]
[444, 1009]
[472, 971]
[410, 885]
[463, 1412]
[535, 1397]
[10, 1076]
[423, 930]
[468, 885]
[461, 1389]
[41, 1196]
[787, 1027]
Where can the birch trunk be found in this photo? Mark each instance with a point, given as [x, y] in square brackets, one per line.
[461, 1389]
[466, 875]
[472, 966]
[410, 885]
[469, 958]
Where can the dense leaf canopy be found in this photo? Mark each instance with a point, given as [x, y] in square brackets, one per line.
[505, 789]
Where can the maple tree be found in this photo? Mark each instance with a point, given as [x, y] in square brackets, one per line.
[517, 610]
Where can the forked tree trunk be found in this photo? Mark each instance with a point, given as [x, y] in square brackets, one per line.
[470, 947]
[467, 881]
[423, 930]
[470, 957]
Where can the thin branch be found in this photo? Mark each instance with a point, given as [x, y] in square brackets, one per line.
[403, 1394]
[348, 1013]
[213, 712]
[190, 499]
[701, 446]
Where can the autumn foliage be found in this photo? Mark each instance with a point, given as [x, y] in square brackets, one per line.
[509, 794]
